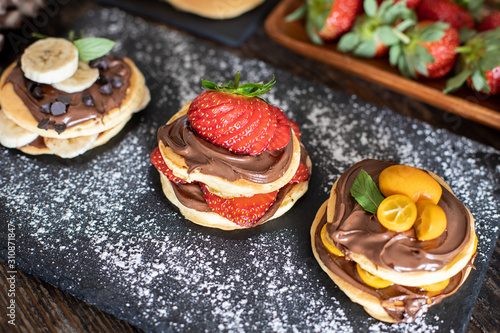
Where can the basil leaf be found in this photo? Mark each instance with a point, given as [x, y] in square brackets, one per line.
[366, 192]
[93, 48]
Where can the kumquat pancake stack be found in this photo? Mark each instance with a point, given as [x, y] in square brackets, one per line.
[230, 160]
[64, 97]
[394, 238]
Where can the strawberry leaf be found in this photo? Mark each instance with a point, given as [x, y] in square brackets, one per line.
[386, 35]
[394, 54]
[365, 49]
[433, 32]
[348, 42]
[457, 81]
[370, 7]
[479, 81]
[366, 192]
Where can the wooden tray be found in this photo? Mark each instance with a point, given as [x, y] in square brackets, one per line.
[464, 102]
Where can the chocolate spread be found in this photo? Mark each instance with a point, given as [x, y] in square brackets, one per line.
[402, 303]
[356, 231]
[77, 111]
[218, 161]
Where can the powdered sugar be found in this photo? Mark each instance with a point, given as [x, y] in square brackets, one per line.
[100, 227]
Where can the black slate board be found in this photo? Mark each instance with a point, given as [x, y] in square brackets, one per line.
[99, 227]
[232, 32]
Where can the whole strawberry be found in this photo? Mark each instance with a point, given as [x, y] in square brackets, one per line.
[376, 29]
[235, 117]
[479, 62]
[445, 11]
[327, 19]
[428, 52]
[490, 22]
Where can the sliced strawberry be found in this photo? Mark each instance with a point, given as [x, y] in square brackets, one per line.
[244, 211]
[295, 128]
[302, 174]
[259, 139]
[282, 135]
[160, 165]
[233, 116]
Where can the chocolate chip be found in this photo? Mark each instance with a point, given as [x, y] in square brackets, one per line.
[44, 124]
[88, 100]
[116, 82]
[58, 108]
[37, 92]
[106, 89]
[103, 80]
[45, 108]
[64, 99]
[59, 128]
[101, 63]
[31, 85]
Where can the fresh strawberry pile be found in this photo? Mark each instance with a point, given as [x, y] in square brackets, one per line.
[422, 38]
[235, 117]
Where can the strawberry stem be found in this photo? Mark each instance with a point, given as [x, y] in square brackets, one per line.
[247, 89]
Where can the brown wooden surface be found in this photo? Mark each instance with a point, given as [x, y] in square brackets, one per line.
[43, 308]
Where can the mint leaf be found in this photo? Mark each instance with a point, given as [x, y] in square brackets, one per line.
[366, 192]
[93, 48]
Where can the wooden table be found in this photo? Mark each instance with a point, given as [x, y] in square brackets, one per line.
[43, 308]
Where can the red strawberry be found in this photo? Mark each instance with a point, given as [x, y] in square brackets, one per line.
[445, 11]
[160, 165]
[490, 22]
[301, 175]
[492, 80]
[233, 116]
[377, 29]
[282, 135]
[480, 63]
[295, 128]
[443, 52]
[244, 211]
[429, 51]
[327, 19]
[340, 19]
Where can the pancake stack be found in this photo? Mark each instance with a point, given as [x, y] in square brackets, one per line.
[231, 161]
[55, 100]
[215, 9]
[394, 274]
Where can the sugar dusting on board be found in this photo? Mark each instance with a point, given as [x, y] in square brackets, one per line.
[99, 226]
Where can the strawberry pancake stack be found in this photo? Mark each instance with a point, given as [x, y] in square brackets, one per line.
[394, 239]
[64, 97]
[230, 160]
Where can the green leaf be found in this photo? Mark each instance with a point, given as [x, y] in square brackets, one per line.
[407, 23]
[366, 192]
[423, 54]
[479, 81]
[386, 35]
[394, 54]
[457, 81]
[39, 35]
[366, 49]
[431, 35]
[370, 7]
[297, 14]
[93, 48]
[490, 61]
[348, 42]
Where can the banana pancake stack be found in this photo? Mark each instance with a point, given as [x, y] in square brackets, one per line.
[65, 97]
[394, 238]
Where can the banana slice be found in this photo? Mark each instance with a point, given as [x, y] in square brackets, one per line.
[13, 135]
[50, 60]
[69, 148]
[83, 78]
